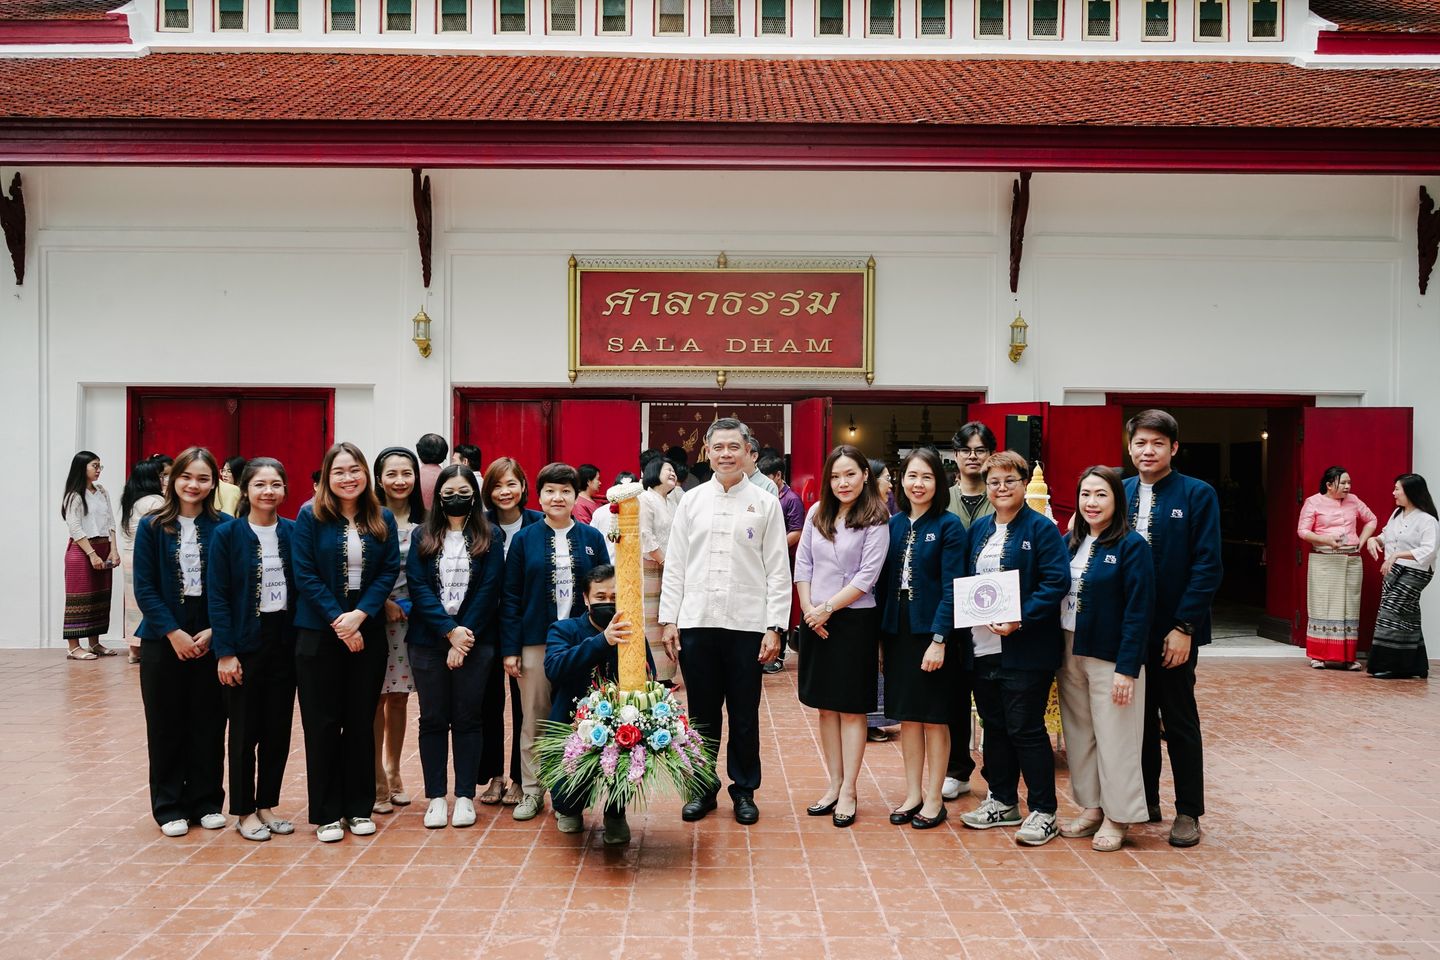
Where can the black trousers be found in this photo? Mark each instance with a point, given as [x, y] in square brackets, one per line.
[261, 711]
[1170, 700]
[452, 708]
[722, 670]
[1012, 706]
[339, 692]
[492, 734]
[962, 761]
[184, 724]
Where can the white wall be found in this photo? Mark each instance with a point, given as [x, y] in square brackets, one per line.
[309, 278]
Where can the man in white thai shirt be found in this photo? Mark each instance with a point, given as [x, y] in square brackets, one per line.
[724, 605]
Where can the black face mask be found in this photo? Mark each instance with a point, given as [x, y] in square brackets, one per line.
[456, 505]
[601, 614]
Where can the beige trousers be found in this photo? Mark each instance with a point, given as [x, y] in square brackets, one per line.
[1102, 740]
[535, 704]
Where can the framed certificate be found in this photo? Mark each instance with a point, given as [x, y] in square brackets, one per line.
[987, 598]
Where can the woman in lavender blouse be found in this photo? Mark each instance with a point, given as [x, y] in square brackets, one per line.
[837, 563]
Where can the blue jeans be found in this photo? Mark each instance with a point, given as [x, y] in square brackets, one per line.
[1012, 705]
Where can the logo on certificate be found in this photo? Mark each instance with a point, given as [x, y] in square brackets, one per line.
[981, 599]
[987, 598]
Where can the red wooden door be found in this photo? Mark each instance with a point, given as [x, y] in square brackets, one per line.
[809, 446]
[1077, 437]
[605, 433]
[510, 428]
[1285, 490]
[293, 430]
[168, 423]
[1375, 444]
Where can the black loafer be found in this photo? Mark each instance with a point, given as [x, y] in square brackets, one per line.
[820, 809]
[1153, 814]
[901, 817]
[920, 822]
[774, 666]
[746, 812]
[696, 809]
[844, 819]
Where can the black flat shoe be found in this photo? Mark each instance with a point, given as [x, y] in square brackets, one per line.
[1385, 675]
[820, 809]
[901, 817]
[920, 822]
[1152, 814]
[876, 735]
[844, 819]
[696, 809]
[746, 812]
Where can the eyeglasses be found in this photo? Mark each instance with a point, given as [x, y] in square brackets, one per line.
[974, 453]
[1007, 483]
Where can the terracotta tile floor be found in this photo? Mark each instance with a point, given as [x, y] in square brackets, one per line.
[1323, 840]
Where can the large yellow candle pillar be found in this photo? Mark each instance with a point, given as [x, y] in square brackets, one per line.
[629, 585]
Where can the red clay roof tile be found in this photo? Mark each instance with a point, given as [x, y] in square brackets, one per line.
[1380, 16]
[57, 9]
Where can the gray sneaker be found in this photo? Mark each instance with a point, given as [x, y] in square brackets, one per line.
[529, 806]
[568, 824]
[991, 813]
[1037, 830]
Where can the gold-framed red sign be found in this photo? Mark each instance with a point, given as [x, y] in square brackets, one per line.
[679, 315]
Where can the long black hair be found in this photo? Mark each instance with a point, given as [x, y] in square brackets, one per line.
[416, 501]
[1119, 524]
[77, 481]
[252, 467]
[437, 523]
[165, 517]
[1417, 491]
[144, 481]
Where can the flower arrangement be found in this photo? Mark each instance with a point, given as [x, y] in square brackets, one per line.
[624, 745]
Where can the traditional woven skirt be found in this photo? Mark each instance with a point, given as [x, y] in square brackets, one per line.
[1333, 606]
[653, 573]
[1399, 646]
[87, 591]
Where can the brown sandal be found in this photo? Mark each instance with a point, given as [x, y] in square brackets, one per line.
[493, 791]
[513, 794]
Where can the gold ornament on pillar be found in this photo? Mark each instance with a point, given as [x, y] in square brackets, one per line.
[1037, 492]
[629, 585]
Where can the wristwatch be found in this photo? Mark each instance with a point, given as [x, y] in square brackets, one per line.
[938, 638]
[829, 607]
[1186, 627]
[776, 630]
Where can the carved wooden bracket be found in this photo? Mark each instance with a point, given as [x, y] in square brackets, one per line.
[1019, 212]
[1427, 234]
[420, 187]
[12, 219]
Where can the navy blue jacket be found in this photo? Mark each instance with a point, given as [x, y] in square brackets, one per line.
[232, 584]
[1033, 546]
[318, 551]
[430, 625]
[1116, 602]
[936, 559]
[158, 591]
[528, 608]
[528, 518]
[1185, 544]
[573, 651]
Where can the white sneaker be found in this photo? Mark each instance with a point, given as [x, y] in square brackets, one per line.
[331, 832]
[175, 828]
[438, 814]
[213, 821]
[362, 826]
[954, 787]
[464, 813]
[991, 813]
[1037, 830]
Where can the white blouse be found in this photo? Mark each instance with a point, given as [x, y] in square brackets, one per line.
[657, 515]
[97, 519]
[354, 559]
[1415, 533]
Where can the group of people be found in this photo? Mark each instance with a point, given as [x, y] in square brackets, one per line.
[409, 575]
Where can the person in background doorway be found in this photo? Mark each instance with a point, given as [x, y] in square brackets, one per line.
[179, 687]
[314, 488]
[876, 723]
[925, 554]
[1015, 662]
[1328, 523]
[657, 515]
[837, 565]
[90, 557]
[885, 484]
[455, 569]
[252, 618]
[681, 463]
[752, 469]
[792, 508]
[433, 451]
[166, 462]
[504, 492]
[397, 473]
[1106, 623]
[144, 494]
[1179, 517]
[589, 498]
[467, 454]
[724, 607]
[604, 519]
[227, 496]
[346, 559]
[543, 568]
[1408, 545]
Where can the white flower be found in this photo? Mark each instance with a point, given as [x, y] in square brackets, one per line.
[584, 729]
[629, 713]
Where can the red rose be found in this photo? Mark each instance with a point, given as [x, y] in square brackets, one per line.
[582, 712]
[628, 735]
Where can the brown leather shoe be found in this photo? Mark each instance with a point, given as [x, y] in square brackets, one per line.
[1185, 831]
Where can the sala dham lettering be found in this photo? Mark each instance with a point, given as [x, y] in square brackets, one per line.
[732, 345]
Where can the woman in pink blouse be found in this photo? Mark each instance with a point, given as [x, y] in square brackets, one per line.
[1328, 522]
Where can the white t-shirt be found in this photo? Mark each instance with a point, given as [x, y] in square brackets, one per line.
[274, 591]
[987, 641]
[1078, 563]
[564, 575]
[191, 573]
[510, 530]
[1142, 516]
[454, 572]
[354, 558]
